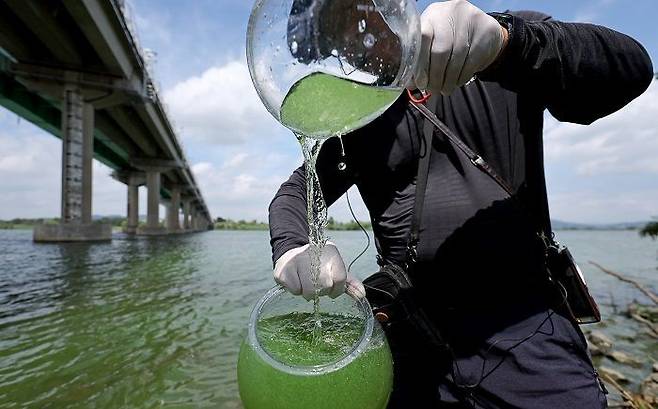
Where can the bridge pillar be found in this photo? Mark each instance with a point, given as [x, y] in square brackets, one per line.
[132, 209]
[134, 181]
[77, 155]
[199, 221]
[195, 221]
[173, 211]
[154, 168]
[153, 183]
[186, 214]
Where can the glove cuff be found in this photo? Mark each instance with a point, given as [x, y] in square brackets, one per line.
[516, 29]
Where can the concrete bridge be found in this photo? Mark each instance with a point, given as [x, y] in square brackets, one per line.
[75, 69]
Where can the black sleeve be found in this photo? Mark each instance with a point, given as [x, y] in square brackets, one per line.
[580, 72]
[287, 211]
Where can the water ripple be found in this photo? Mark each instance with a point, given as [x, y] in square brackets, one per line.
[140, 323]
[136, 323]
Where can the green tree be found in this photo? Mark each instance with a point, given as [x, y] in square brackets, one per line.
[650, 230]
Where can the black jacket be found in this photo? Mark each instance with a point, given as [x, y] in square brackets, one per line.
[472, 237]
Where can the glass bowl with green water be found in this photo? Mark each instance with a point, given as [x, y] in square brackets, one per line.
[297, 356]
[327, 67]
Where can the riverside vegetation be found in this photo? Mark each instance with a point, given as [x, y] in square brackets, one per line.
[612, 362]
[332, 224]
[649, 230]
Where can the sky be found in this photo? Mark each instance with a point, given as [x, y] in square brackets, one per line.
[602, 173]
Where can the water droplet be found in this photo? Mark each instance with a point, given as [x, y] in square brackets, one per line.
[362, 26]
[293, 47]
[334, 52]
[369, 40]
[342, 166]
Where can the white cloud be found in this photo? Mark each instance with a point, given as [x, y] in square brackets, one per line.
[624, 142]
[220, 106]
[30, 171]
[596, 206]
[341, 211]
[607, 171]
[30, 174]
[242, 186]
[236, 161]
[591, 12]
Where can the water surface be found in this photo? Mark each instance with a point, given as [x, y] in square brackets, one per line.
[151, 323]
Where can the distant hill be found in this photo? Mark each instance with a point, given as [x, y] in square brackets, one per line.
[142, 217]
[562, 225]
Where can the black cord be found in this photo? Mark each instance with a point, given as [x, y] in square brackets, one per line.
[347, 195]
[341, 167]
[518, 341]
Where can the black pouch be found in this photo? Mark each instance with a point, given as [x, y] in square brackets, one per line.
[566, 273]
[391, 295]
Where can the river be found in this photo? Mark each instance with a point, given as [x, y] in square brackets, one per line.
[149, 323]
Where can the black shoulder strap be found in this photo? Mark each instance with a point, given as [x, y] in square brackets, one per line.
[433, 122]
[475, 159]
[421, 187]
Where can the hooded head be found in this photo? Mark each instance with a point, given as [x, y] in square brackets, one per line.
[353, 31]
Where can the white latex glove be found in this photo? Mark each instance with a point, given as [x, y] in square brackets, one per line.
[458, 41]
[293, 271]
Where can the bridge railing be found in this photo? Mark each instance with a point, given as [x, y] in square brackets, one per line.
[147, 58]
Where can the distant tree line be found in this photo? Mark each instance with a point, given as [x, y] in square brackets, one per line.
[650, 230]
[229, 224]
[353, 225]
[20, 223]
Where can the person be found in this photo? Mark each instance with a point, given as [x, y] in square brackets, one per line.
[480, 272]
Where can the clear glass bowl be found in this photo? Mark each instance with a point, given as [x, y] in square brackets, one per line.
[348, 364]
[327, 67]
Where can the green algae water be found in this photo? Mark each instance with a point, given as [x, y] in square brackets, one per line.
[364, 383]
[292, 338]
[322, 105]
[317, 107]
[316, 212]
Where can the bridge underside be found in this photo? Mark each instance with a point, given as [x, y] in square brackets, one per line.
[74, 70]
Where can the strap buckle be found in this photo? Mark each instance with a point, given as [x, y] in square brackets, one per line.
[418, 96]
[478, 161]
[412, 253]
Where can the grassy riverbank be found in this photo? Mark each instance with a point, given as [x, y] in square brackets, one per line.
[649, 230]
[229, 224]
[28, 224]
